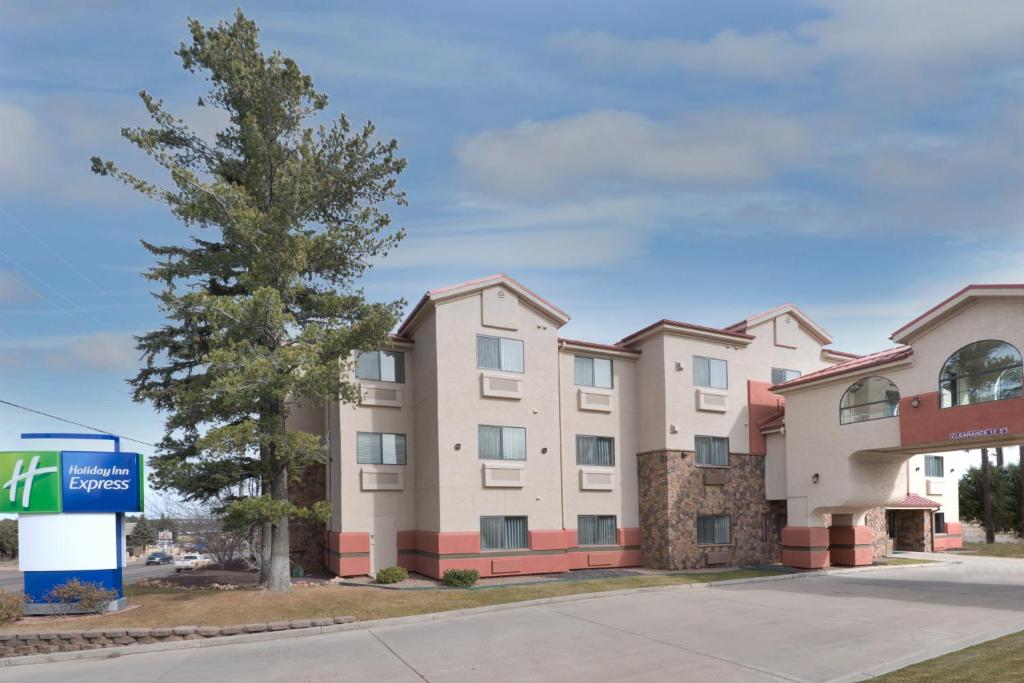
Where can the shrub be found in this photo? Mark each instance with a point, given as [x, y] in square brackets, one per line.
[80, 596]
[392, 575]
[11, 605]
[460, 578]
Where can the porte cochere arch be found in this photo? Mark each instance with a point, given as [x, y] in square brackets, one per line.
[953, 382]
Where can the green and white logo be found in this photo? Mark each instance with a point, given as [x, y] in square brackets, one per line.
[30, 481]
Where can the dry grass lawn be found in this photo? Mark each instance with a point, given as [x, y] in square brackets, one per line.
[996, 549]
[993, 662]
[165, 607]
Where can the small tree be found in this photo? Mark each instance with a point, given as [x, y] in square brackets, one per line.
[263, 307]
[143, 535]
[8, 538]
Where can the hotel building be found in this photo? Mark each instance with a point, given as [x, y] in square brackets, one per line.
[485, 440]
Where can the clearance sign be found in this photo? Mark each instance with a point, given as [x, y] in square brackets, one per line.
[70, 481]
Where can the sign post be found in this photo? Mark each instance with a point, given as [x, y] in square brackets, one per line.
[70, 507]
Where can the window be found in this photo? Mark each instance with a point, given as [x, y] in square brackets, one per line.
[710, 372]
[712, 451]
[593, 372]
[713, 530]
[595, 450]
[373, 448]
[780, 375]
[595, 530]
[933, 466]
[940, 523]
[502, 443]
[869, 399]
[383, 366]
[503, 533]
[498, 353]
[980, 372]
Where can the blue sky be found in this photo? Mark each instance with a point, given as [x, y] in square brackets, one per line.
[628, 161]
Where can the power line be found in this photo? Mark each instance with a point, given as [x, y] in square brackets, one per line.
[77, 424]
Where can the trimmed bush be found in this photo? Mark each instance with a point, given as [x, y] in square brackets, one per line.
[392, 575]
[460, 578]
[79, 596]
[11, 605]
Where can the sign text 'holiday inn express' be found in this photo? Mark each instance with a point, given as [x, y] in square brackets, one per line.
[70, 481]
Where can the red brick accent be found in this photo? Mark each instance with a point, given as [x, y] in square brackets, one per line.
[628, 536]
[850, 546]
[551, 539]
[805, 559]
[849, 535]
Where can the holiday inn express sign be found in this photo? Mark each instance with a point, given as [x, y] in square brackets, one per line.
[70, 481]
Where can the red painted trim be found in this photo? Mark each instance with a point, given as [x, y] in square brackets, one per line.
[596, 345]
[348, 541]
[849, 535]
[851, 557]
[406, 540]
[950, 299]
[805, 559]
[628, 536]
[353, 566]
[805, 536]
[929, 424]
[763, 405]
[954, 528]
[551, 539]
[665, 322]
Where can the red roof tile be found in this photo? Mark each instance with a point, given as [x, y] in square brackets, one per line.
[915, 501]
[862, 363]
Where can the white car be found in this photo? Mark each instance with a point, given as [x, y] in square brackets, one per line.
[188, 562]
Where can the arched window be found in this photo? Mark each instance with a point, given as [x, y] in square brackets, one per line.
[984, 371]
[871, 398]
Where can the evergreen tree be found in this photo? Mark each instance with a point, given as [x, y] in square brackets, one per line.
[1005, 498]
[263, 307]
[143, 535]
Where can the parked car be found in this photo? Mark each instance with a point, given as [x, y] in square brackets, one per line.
[159, 558]
[188, 562]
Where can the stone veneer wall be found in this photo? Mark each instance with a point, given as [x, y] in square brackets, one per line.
[672, 493]
[875, 520]
[914, 530]
[306, 538]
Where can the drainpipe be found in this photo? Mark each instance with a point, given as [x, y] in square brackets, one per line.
[561, 441]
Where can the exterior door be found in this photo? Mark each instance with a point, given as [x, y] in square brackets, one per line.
[383, 543]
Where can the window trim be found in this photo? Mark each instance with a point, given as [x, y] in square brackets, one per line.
[611, 371]
[942, 372]
[378, 353]
[869, 403]
[615, 531]
[697, 357]
[501, 444]
[526, 525]
[697, 529]
[727, 464]
[499, 369]
[611, 439]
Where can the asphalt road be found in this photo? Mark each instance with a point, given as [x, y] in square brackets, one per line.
[10, 577]
[815, 628]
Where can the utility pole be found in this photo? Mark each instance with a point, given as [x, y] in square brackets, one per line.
[986, 498]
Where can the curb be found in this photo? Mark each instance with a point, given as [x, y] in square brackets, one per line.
[114, 652]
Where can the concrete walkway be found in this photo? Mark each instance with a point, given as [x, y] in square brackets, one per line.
[814, 628]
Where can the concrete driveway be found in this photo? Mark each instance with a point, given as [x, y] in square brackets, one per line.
[813, 628]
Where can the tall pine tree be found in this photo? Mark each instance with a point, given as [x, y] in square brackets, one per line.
[263, 306]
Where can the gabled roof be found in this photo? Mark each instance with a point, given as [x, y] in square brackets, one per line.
[463, 289]
[856, 365]
[805, 321]
[915, 501]
[687, 329]
[948, 307]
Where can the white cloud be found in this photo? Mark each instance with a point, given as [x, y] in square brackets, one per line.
[763, 56]
[890, 38]
[544, 158]
[96, 352]
[26, 150]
